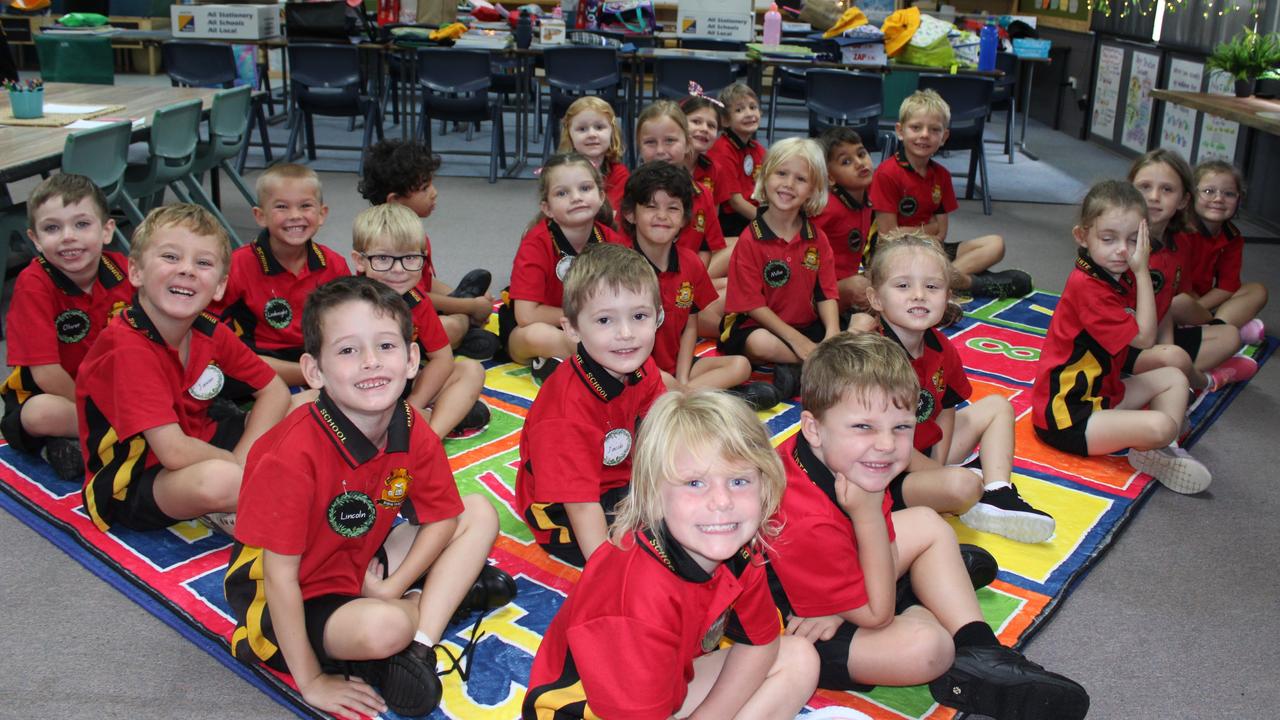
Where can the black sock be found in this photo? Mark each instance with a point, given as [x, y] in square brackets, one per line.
[976, 634]
[1216, 321]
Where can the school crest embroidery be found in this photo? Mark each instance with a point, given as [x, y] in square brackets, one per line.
[71, 326]
[939, 381]
[684, 296]
[810, 261]
[936, 196]
[394, 488]
[351, 514]
[117, 307]
[700, 222]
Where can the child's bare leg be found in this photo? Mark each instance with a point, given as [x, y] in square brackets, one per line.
[1217, 343]
[710, 316]
[457, 396]
[718, 267]
[455, 326]
[945, 489]
[1169, 356]
[853, 292]
[456, 569]
[978, 254]
[788, 686]
[205, 487]
[1186, 310]
[538, 340]
[1244, 305]
[46, 415]
[1128, 426]
[927, 548]
[764, 346]
[912, 649]
[988, 425]
[720, 373]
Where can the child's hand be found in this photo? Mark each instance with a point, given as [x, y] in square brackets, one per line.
[854, 500]
[803, 347]
[1142, 253]
[482, 308]
[375, 584]
[344, 698]
[814, 629]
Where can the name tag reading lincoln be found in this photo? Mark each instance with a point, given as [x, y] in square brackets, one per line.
[617, 446]
[352, 514]
[209, 384]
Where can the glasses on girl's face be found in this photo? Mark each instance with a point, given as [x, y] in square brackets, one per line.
[1208, 193]
[383, 263]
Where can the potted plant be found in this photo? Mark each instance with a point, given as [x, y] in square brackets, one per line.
[1246, 57]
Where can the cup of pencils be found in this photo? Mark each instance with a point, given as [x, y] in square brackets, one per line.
[26, 98]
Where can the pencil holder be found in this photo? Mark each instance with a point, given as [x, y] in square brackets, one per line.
[27, 104]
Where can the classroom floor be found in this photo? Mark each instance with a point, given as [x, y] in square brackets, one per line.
[1177, 620]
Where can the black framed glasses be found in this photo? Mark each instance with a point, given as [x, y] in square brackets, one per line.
[383, 263]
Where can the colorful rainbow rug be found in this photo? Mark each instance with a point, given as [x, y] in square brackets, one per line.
[177, 574]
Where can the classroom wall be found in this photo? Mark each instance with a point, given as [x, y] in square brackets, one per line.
[1052, 99]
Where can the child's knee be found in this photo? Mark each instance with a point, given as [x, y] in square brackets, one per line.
[998, 407]
[218, 484]
[798, 660]
[926, 523]
[384, 631]
[964, 487]
[468, 371]
[996, 245]
[479, 515]
[1256, 291]
[926, 650]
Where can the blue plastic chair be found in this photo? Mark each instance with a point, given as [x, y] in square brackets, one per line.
[840, 97]
[191, 63]
[672, 75]
[455, 87]
[102, 155]
[228, 134]
[171, 146]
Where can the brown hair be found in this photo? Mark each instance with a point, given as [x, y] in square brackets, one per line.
[385, 301]
[1110, 195]
[858, 366]
[70, 189]
[1181, 168]
[184, 215]
[274, 176]
[607, 267]
[732, 95]
[559, 160]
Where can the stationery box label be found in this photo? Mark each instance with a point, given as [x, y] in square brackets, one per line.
[243, 22]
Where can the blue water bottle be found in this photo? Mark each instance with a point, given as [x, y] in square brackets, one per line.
[988, 46]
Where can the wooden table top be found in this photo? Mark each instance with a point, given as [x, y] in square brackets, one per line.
[1253, 112]
[26, 151]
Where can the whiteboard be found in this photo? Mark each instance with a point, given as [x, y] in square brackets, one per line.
[1178, 130]
[1106, 90]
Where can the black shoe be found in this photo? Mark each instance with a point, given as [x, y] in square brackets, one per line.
[63, 455]
[760, 396]
[786, 380]
[478, 344]
[475, 421]
[980, 564]
[1002, 511]
[1000, 683]
[409, 683]
[472, 285]
[541, 369]
[1003, 284]
[491, 590]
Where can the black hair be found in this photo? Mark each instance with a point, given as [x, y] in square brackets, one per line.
[835, 136]
[647, 180]
[396, 166]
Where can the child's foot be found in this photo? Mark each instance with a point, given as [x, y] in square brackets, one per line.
[409, 683]
[1233, 370]
[760, 396]
[1173, 467]
[1003, 284]
[491, 590]
[474, 422]
[786, 380]
[1253, 332]
[1002, 511]
[541, 369]
[478, 344]
[221, 522]
[63, 455]
[999, 682]
[472, 285]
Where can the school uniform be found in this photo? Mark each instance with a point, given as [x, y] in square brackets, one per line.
[703, 232]
[1215, 261]
[57, 324]
[897, 187]
[850, 227]
[685, 288]
[428, 332]
[705, 174]
[316, 487]
[739, 164]
[615, 183]
[943, 383]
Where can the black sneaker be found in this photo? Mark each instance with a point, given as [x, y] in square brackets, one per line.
[64, 456]
[980, 564]
[472, 285]
[1003, 284]
[409, 683]
[541, 369]
[1000, 683]
[1002, 511]
[492, 589]
[478, 344]
[786, 380]
[760, 396]
[475, 421]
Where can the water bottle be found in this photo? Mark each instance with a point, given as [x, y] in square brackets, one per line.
[988, 46]
[773, 26]
[524, 30]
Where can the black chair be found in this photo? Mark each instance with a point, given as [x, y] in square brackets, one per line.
[323, 22]
[740, 70]
[970, 99]
[455, 87]
[1005, 96]
[191, 63]
[574, 71]
[672, 76]
[841, 97]
[326, 80]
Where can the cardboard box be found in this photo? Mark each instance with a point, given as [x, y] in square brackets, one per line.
[552, 32]
[241, 22]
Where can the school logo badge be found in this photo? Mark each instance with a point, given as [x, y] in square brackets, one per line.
[71, 326]
[562, 267]
[749, 166]
[855, 240]
[708, 183]
[936, 196]
[352, 514]
[617, 446]
[278, 313]
[939, 381]
[394, 488]
[700, 221]
[117, 307]
[907, 206]
[810, 261]
[209, 384]
[776, 273]
[684, 296]
[924, 406]
[715, 633]
[1157, 281]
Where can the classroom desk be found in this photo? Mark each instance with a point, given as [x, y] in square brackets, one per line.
[1253, 112]
[27, 151]
[1026, 77]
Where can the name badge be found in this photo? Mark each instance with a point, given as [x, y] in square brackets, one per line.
[209, 384]
[617, 446]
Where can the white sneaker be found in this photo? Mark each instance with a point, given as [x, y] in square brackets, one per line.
[224, 523]
[1173, 467]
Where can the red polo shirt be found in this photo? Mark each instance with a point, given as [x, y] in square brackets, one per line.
[850, 227]
[789, 276]
[739, 165]
[943, 383]
[896, 186]
[543, 259]
[702, 232]
[686, 289]
[1215, 262]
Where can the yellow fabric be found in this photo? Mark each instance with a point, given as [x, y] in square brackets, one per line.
[852, 18]
[452, 31]
[898, 29]
[30, 5]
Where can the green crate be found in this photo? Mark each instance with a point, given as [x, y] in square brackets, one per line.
[76, 59]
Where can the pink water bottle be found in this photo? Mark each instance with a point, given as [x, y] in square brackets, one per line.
[773, 26]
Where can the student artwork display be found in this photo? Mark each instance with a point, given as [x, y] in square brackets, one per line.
[1144, 68]
[1218, 136]
[1106, 90]
[1179, 127]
